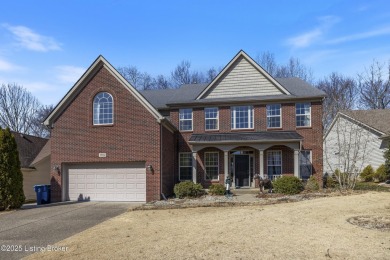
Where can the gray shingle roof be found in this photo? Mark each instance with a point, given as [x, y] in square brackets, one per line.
[160, 98]
[188, 93]
[300, 88]
[255, 136]
[28, 147]
[378, 119]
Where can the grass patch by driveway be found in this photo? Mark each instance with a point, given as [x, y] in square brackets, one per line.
[310, 229]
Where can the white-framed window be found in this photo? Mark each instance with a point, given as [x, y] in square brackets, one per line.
[185, 166]
[274, 163]
[185, 119]
[211, 118]
[305, 164]
[242, 117]
[103, 112]
[303, 114]
[211, 163]
[274, 116]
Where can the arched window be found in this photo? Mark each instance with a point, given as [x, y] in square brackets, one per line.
[103, 109]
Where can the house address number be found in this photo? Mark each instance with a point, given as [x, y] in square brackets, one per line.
[102, 155]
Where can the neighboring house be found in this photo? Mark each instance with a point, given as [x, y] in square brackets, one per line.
[112, 142]
[355, 139]
[34, 156]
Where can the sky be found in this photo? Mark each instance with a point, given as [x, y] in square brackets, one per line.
[45, 46]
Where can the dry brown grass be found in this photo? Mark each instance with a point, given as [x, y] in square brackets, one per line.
[312, 229]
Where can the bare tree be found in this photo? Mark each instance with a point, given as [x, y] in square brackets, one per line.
[181, 74]
[197, 77]
[147, 82]
[132, 75]
[342, 94]
[374, 86]
[294, 68]
[211, 74]
[345, 151]
[38, 129]
[161, 82]
[18, 108]
[267, 61]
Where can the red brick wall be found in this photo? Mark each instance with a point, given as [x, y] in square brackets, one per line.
[312, 135]
[168, 157]
[134, 136]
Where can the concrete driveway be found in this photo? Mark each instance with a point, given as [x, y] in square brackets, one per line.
[32, 228]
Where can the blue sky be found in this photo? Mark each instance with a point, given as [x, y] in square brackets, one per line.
[45, 46]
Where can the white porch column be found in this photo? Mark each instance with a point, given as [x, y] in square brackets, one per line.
[225, 165]
[296, 163]
[194, 167]
[261, 163]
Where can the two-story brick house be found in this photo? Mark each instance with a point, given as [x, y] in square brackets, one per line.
[111, 142]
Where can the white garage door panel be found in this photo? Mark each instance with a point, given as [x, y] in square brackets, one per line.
[107, 182]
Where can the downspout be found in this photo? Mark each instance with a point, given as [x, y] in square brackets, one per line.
[161, 160]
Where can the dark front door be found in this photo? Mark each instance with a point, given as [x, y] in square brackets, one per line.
[241, 167]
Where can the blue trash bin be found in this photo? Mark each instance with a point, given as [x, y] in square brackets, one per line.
[43, 194]
[38, 190]
[46, 195]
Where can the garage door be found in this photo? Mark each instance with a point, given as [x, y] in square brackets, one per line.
[107, 182]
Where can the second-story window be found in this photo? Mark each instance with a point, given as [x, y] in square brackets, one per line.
[274, 113]
[103, 109]
[303, 114]
[211, 118]
[185, 119]
[242, 117]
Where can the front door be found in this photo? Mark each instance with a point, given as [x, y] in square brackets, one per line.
[241, 169]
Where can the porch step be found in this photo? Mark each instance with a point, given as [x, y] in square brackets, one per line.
[245, 191]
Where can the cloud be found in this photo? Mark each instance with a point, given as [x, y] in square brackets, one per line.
[308, 38]
[7, 66]
[30, 40]
[358, 36]
[69, 74]
[318, 56]
[305, 39]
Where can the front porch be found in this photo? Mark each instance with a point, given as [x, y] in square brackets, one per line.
[215, 156]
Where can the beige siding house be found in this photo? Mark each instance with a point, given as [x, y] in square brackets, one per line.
[243, 78]
[355, 139]
[34, 156]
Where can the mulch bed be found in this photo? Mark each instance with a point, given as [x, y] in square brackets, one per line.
[371, 222]
[222, 201]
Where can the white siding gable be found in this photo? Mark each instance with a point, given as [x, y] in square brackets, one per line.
[242, 79]
[347, 141]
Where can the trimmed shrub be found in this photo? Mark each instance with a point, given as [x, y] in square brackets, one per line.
[380, 174]
[217, 189]
[367, 174]
[188, 189]
[288, 185]
[312, 184]
[330, 182]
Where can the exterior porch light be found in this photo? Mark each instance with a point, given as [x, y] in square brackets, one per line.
[150, 169]
[57, 169]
